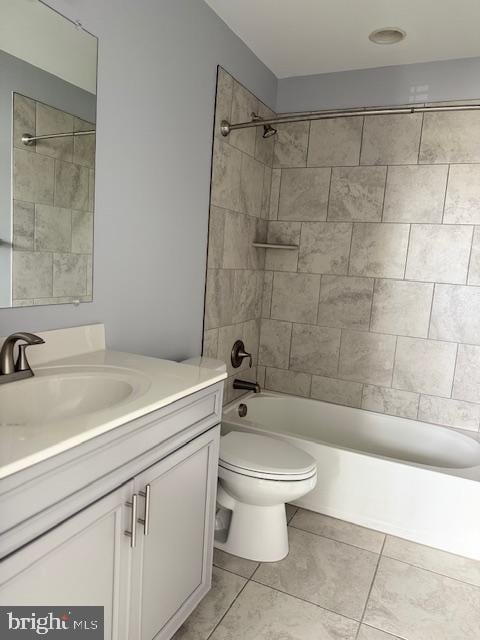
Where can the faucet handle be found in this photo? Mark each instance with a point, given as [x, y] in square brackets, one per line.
[22, 362]
[239, 353]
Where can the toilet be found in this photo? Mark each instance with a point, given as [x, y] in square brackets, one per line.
[257, 476]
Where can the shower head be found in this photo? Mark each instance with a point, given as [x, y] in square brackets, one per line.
[268, 131]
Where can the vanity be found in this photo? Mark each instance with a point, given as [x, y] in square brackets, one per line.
[108, 472]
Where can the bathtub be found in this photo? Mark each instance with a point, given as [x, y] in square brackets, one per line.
[406, 478]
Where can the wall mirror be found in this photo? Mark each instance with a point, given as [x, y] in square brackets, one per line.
[48, 83]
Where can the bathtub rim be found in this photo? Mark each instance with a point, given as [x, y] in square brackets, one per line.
[466, 473]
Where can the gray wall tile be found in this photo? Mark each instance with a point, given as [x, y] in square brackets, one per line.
[357, 193]
[227, 162]
[402, 308]
[82, 232]
[23, 120]
[450, 413]
[53, 229]
[236, 241]
[424, 366]
[392, 139]
[335, 143]
[23, 225]
[291, 382]
[315, 349]
[218, 298]
[415, 193]
[50, 120]
[275, 194]
[390, 401]
[325, 247]
[450, 137]
[216, 232]
[33, 177]
[295, 297]
[69, 274]
[379, 250]
[243, 104]
[367, 357]
[251, 186]
[282, 233]
[304, 194]
[345, 302]
[32, 274]
[474, 267]
[210, 343]
[455, 314]
[462, 203]
[84, 146]
[439, 253]
[336, 391]
[71, 185]
[466, 385]
[291, 143]
[267, 294]
[275, 343]
[244, 296]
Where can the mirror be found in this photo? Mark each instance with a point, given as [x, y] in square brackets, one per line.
[48, 78]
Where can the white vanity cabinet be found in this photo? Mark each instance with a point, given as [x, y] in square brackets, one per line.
[149, 582]
[83, 561]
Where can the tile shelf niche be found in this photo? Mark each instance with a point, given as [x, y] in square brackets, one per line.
[267, 245]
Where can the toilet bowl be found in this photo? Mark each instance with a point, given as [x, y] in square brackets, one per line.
[257, 475]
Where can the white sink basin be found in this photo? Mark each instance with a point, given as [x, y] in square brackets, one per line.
[60, 393]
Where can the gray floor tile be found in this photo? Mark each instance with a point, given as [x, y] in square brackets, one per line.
[328, 573]
[240, 566]
[338, 530]
[369, 633]
[418, 605]
[261, 613]
[291, 511]
[447, 564]
[201, 623]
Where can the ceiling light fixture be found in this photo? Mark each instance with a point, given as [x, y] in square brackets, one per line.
[387, 35]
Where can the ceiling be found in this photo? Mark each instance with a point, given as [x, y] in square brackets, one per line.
[303, 37]
[33, 32]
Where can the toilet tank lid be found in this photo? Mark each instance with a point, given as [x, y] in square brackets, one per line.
[265, 454]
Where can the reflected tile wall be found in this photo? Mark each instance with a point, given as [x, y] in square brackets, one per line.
[379, 306]
[53, 187]
[240, 207]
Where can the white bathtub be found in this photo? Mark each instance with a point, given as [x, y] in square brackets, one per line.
[403, 477]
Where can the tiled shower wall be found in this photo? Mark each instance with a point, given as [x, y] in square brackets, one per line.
[240, 192]
[53, 186]
[379, 307]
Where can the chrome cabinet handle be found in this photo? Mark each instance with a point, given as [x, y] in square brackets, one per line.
[133, 533]
[146, 521]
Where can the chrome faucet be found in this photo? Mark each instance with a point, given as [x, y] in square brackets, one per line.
[9, 369]
[246, 385]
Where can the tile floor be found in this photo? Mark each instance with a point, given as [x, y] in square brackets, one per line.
[340, 582]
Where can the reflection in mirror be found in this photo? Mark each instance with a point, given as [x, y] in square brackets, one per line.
[47, 156]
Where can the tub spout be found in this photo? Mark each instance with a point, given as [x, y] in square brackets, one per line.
[246, 385]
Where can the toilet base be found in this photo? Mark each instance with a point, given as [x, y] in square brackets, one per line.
[256, 532]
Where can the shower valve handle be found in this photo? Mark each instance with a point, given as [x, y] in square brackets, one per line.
[239, 353]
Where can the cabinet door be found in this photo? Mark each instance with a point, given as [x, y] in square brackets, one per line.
[83, 561]
[172, 569]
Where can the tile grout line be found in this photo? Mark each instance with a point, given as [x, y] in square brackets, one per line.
[371, 587]
[228, 609]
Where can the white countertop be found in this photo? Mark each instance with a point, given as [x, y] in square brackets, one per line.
[163, 382]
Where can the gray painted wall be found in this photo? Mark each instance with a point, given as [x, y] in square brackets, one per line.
[431, 81]
[22, 77]
[157, 75]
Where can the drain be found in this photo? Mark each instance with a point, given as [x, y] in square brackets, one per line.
[242, 410]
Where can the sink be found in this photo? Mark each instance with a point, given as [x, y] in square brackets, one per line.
[60, 393]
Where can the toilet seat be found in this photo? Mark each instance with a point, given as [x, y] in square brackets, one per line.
[264, 457]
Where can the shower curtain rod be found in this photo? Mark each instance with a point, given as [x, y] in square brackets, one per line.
[226, 127]
[29, 139]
